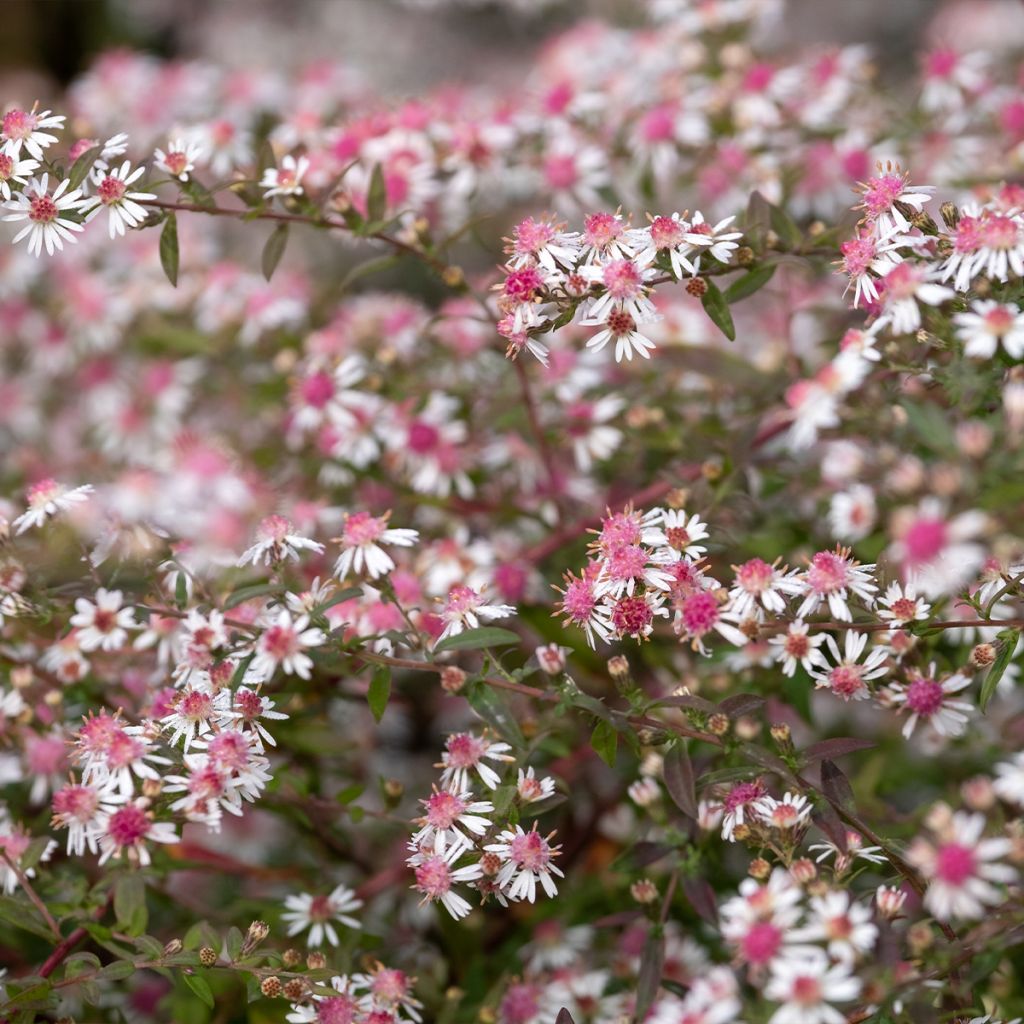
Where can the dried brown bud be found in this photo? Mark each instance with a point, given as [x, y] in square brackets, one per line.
[172, 947]
[257, 932]
[950, 215]
[452, 679]
[781, 734]
[291, 958]
[696, 287]
[316, 961]
[983, 655]
[207, 956]
[744, 255]
[295, 990]
[742, 833]
[718, 724]
[393, 790]
[490, 864]
[271, 987]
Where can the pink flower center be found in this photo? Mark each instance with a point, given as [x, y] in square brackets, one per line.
[196, 706]
[230, 750]
[881, 193]
[806, 990]
[846, 681]
[317, 389]
[111, 190]
[666, 233]
[560, 171]
[742, 793]
[601, 229]
[249, 704]
[530, 851]
[925, 696]
[626, 562]
[761, 943]
[955, 864]
[631, 615]
[336, 1010]
[578, 601]
[6, 166]
[274, 528]
[444, 809]
[176, 163]
[622, 279]
[999, 232]
[279, 642]
[433, 877]
[678, 538]
[699, 612]
[362, 528]
[19, 124]
[42, 209]
[797, 645]
[904, 609]
[620, 323]
[858, 254]
[755, 576]
[422, 438]
[76, 802]
[128, 826]
[321, 909]
[827, 572]
[464, 750]
[532, 236]
[924, 540]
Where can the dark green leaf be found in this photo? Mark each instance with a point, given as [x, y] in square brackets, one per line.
[201, 987]
[130, 904]
[379, 691]
[717, 309]
[339, 597]
[752, 281]
[1008, 639]
[679, 780]
[649, 978]
[181, 589]
[783, 225]
[274, 250]
[604, 739]
[475, 639]
[367, 268]
[169, 255]
[564, 1017]
[81, 167]
[377, 197]
[244, 594]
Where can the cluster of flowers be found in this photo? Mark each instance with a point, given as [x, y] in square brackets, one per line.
[383, 995]
[552, 274]
[463, 840]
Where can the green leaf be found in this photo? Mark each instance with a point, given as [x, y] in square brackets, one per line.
[783, 225]
[380, 690]
[81, 167]
[169, 256]
[38, 992]
[274, 250]
[492, 707]
[679, 780]
[244, 594]
[717, 309]
[338, 598]
[118, 970]
[181, 589]
[377, 197]
[201, 987]
[752, 281]
[130, 904]
[1008, 638]
[475, 639]
[375, 266]
[604, 739]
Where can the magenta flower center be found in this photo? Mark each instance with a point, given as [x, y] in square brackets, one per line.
[955, 864]
[761, 943]
[631, 615]
[530, 851]
[111, 190]
[128, 826]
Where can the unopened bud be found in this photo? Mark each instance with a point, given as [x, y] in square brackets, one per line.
[551, 659]
[924, 223]
[257, 932]
[747, 728]
[889, 901]
[529, 727]
[782, 734]
[452, 679]
[151, 788]
[744, 255]
[644, 891]
[718, 724]
[291, 958]
[919, 937]
[677, 497]
[759, 869]
[490, 864]
[983, 655]
[696, 287]
[978, 793]
[172, 947]
[271, 987]
[295, 990]
[950, 215]
[207, 956]
[618, 667]
[644, 792]
[711, 470]
[741, 833]
[453, 277]
[803, 870]
[393, 790]
[316, 961]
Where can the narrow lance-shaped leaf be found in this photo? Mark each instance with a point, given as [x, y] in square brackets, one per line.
[274, 250]
[1008, 639]
[377, 197]
[82, 166]
[477, 639]
[605, 740]
[379, 691]
[718, 310]
[169, 256]
[752, 281]
[679, 780]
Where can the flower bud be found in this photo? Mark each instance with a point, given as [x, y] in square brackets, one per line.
[453, 277]
[747, 728]
[718, 724]
[919, 937]
[258, 931]
[644, 792]
[782, 734]
[644, 891]
[696, 287]
[172, 947]
[618, 667]
[741, 833]
[291, 958]
[889, 900]
[452, 679]
[803, 870]
[744, 256]
[207, 956]
[759, 869]
[551, 659]
[392, 790]
[295, 990]
[983, 655]
[978, 793]
[316, 961]
[271, 987]
[950, 215]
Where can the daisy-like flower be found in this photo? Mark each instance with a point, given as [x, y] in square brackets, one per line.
[841, 923]
[625, 290]
[180, 159]
[743, 799]
[852, 513]
[122, 205]
[543, 242]
[849, 677]
[806, 986]
[390, 991]
[532, 789]
[903, 289]
[250, 708]
[25, 128]
[46, 227]
[46, 499]
[359, 545]
[1009, 781]
[13, 169]
[196, 712]
[677, 533]
[283, 643]
[446, 810]
[716, 239]
[79, 808]
[527, 858]
[14, 844]
[757, 922]
[276, 542]
[865, 257]
[792, 811]
[797, 645]
[624, 567]
[882, 196]
[319, 913]
[103, 624]
[855, 849]
[760, 585]
[581, 605]
[830, 578]
[667, 235]
[931, 700]
[436, 874]
[128, 829]
[465, 608]
[989, 324]
[285, 180]
[106, 748]
[961, 867]
[465, 752]
[901, 604]
[700, 613]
